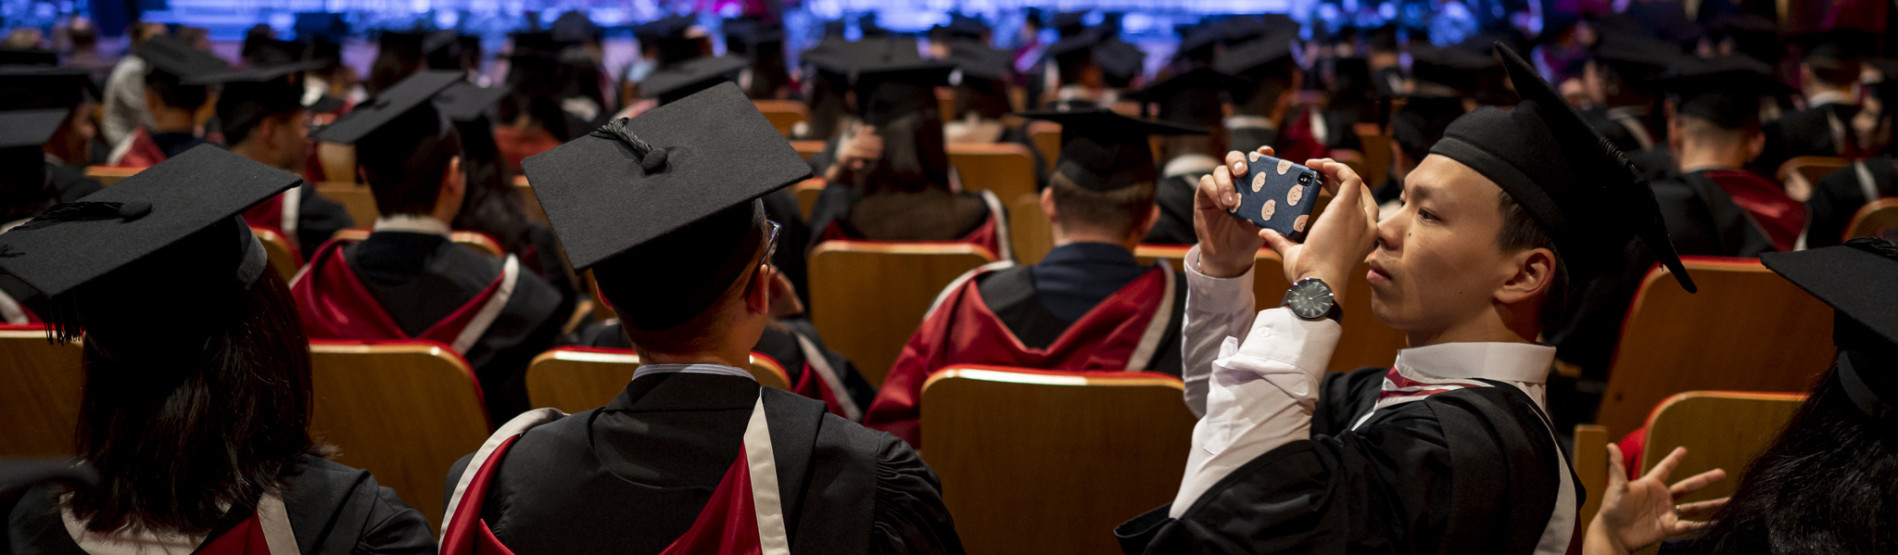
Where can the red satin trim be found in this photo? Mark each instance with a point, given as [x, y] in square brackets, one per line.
[964, 330]
[466, 533]
[1631, 446]
[269, 215]
[144, 152]
[1773, 211]
[247, 538]
[989, 236]
[335, 305]
[811, 384]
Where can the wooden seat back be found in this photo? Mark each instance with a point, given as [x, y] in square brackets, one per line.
[1366, 341]
[1070, 454]
[808, 149]
[1720, 429]
[39, 407]
[404, 411]
[783, 114]
[1030, 234]
[867, 297]
[109, 175]
[1006, 169]
[472, 239]
[356, 199]
[574, 379]
[1746, 330]
[530, 204]
[1046, 136]
[1809, 168]
[1376, 162]
[806, 192]
[1878, 218]
[283, 253]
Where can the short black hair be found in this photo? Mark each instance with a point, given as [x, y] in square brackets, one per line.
[1120, 211]
[1520, 232]
[174, 93]
[1269, 83]
[405, 160]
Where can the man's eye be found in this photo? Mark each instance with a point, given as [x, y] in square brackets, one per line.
[1427, 215]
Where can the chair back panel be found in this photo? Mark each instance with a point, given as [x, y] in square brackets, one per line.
[1720, 429]
[867, 297]
[39, 407]
[283, 255]
[783, 114]
[1879, 218]
[575, 379]
[355, 199]
[1006, 169]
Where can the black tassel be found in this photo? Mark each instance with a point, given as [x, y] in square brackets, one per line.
[651, 158]
[1875, 245]
[87, 211]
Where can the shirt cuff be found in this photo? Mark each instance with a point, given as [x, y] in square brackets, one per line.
[1209, 287]
[1284, 339]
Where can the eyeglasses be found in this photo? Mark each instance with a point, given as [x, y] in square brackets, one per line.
[770, 249]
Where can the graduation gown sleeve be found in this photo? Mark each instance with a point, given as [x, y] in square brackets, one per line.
[909, 515]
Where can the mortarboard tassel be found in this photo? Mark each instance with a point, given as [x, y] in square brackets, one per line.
[651, 158]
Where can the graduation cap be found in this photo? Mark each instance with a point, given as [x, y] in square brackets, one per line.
[574, 27]
[253, 93]
[37, 87]
[962, 27]
[1750, 34]
[1839, 49]
[1636, 59]
[20, 129]
[1075, 49]
[408, 44]
[1725, 91]
[1119, 61]
[412, 93]
[1582, 191]
[1422, 119]
[170, 56]
[680, 81]
[1190, 98]
[980, 61]
[1105, 151]
[677, 186]
[185, 207]
[1069, 24]
[888, 92]
[1454, 68]
[1860, 280]
[464, 101]
[28, 57]
[1255, 57]
[1199, 38]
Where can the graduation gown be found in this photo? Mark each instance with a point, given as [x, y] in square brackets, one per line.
[1002, 314]
[815, 370]
[633, 476]
[1654, 163]
[1823, 130]
[1179, 183]
[1837, 197]
[332, 510]
[1461, 471]
[302, 216]
[977, 218]
[403, 285]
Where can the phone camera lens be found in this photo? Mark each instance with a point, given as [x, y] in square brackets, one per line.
[1304, 179]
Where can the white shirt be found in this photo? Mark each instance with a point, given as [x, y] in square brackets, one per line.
[409, 223]
[124, 110]
[1249, 122]
[1832, 97]
[1254, 380]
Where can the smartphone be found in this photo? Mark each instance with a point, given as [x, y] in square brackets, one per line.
[1278, 195]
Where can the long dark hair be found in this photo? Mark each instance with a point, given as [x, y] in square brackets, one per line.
[1828, 484]
[183, 416]
[915, 156]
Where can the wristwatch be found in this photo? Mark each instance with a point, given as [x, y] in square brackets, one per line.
[1311, 299]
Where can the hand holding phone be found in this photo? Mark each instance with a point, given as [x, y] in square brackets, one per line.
[1278, 195]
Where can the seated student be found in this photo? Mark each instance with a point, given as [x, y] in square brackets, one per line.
[1190, 99]
[43, 103]
[1262, 97]
[837, 64]
[981, 95]
[172, 104]
[768, 77]
[693, 453]
[407, 280]
[893, 181]
[1414, 128]
[492, 205]
[1825, 485]
[1449, 448]
[1079, 80]
[1086, 306]
[35, 84]
[1619, 76]
[263, 119]
[1828, 77]
[196, 423]
[1836, 198]
[531, 119]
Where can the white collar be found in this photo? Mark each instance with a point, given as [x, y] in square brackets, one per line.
[1252, 122]
[314, 88]
[1832, 97]
[1509, 362]
[411, 223]
[1074, 92]
[1189, 164]
[713, 369]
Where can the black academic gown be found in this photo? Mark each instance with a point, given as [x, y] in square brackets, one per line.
[1174, 196]
[1837, 197]
[421, 278]
[1654, 163]
[318, 219]
[1807, 132]
[175, 143]
[1463, 471]
[779, 341]
[1039, 303]
[632, 476]
[333, 510]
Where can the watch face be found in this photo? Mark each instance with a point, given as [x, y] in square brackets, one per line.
[1309, 299]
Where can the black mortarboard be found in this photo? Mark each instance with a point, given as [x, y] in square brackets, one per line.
[1750, 34]
[1421, 121]
[1886, 89]
[1383, 38]
[35, 87]
[962, 27]
[414, 92]
[1119, 61]
[168, 55]
[1255, 56]
[21, 129]
[28, 57]
[253, 93]
[1725, 91]
[1069, 24]
[887, 92]
[1105, 151]
[574, 27]
[168, 204]
[682, 80]
[663, 189]
[1840, 48]
[1636, 59]
[464, 101]
[1077, 48]
[1191, 98]
[1860, 280]
[273, 52]
[1454, 68]
[1581, 190]
[1197, 38]
[980, 61]
[19, 474]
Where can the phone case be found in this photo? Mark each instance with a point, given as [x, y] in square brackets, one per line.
[1278, 194]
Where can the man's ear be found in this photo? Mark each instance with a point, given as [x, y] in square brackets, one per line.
[1153, 218]
[1534, 275]
[1755, 143]
[1047, 205]
[758, 301]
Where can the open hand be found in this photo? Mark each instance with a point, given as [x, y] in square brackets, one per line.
[1637, 514]
[1227, 245]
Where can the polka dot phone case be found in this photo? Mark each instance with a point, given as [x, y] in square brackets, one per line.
[1278, 194]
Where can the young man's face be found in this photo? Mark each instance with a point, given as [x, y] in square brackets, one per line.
[1437, 262]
